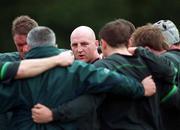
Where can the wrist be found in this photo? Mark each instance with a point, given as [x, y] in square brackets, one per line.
[55, 114]
[55, 60]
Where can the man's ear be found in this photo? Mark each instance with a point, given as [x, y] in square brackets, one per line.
[103, 44]
[97, 43]
[130, 42]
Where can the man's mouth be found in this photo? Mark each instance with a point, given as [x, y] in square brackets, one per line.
[81, 56]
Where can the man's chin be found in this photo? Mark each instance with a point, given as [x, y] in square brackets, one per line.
[82, 59]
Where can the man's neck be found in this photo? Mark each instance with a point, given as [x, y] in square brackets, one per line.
[119, 50]
[96, 57]
[175, 47]
[158, 52]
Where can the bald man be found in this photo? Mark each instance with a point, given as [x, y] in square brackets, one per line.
[84, 44]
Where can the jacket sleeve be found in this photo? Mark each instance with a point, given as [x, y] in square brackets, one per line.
[100, 80]
[77, 108]
[176, 60]
[161, 68]
[95, 81]
[172, 99]
[8, 71]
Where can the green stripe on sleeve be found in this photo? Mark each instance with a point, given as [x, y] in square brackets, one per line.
[173, 90]
[176, 71]
[3, 70]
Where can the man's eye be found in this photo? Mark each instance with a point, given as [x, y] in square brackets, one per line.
[74, 45]
[84, 44]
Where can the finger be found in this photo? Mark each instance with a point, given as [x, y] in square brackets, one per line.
[150, 76]
[35, 120]
[35, 111]
[70, 52]
[33, 117]
[38, 105]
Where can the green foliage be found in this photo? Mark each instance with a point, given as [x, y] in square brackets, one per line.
[65, 15]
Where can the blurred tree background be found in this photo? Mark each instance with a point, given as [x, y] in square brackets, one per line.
[64, 15]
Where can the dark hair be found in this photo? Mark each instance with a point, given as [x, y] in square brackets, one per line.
[149, 36]
[117, 32]
[23, 24]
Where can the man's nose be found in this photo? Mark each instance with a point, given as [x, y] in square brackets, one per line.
[79, 48]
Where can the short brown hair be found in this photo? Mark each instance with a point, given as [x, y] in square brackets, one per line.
[149, 36]
[23, 24]
[117, 32]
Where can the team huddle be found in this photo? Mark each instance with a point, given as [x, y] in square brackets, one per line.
[132, 83]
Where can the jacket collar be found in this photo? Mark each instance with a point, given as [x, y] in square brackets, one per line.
[40, 52]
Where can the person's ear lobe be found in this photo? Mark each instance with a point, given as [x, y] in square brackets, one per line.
[97, 43]
[103, 43]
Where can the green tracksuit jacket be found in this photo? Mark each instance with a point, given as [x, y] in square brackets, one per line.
[57, 86]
